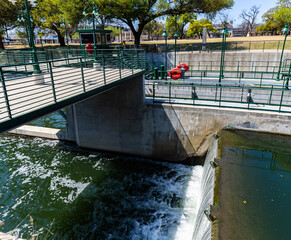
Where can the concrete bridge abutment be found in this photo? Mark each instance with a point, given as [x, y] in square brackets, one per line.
[120, 120]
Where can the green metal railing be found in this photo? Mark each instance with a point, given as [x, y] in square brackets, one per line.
[271, 98]
[239, 72]
[25, 95]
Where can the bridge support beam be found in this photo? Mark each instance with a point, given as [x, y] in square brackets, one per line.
[119, 121]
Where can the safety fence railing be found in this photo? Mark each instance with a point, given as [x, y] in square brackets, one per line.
[25, 90]
[271, 98]
[259, 73]
[14, 57]
[19, 57]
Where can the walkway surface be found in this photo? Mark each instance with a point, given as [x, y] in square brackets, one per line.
[30, 93]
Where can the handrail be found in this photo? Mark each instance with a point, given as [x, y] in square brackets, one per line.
[272, 98]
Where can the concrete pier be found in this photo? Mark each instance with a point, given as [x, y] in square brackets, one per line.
[120, 120]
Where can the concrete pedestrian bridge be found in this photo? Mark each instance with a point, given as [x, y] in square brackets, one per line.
[111, 107]
[26, 95]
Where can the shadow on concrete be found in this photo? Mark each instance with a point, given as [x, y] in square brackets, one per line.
[120, 121]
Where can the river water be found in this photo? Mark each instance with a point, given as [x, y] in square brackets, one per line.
[55, 190]
[255, 185]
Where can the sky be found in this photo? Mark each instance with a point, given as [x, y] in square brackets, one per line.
[240, 5]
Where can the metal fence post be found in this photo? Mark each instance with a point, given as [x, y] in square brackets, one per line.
[156, 73]
[52, 81]
[220, 95]
[170, 92]
[5, 93]
[154, 91]
[131, 58]
[82, 73]
[271, 93]
[103, 67]
[282, 95]
[119, 64]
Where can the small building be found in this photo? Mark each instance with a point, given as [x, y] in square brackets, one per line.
[103, 37]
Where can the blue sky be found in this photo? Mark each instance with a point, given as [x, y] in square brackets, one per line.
[240, 5]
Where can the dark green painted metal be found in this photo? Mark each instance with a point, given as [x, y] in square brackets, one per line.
[31, 34]
[5, 93]
[82, 73]
[52, 82]
[162, 72]
[262, 98]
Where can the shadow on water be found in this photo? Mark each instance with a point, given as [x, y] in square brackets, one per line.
[72, 194]
[255, 185]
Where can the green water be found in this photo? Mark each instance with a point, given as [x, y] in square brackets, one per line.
[54, 190]
[255, 187]
[53, 120]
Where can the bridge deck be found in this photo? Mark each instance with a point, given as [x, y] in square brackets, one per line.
[28, 94]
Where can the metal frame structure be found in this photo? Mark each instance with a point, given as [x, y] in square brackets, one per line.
[62, 82]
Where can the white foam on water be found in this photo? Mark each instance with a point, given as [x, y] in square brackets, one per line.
[193, 193]
[58, 183]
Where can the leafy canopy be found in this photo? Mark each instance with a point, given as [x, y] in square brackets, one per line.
[177, 23]
[196, 27]
[137, 13]
[8, 15]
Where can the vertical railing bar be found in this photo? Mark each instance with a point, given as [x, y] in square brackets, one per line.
[119, 64]
[154, 91]
[281, 100]
[103, 67]
[52, 81]
[220, 95]
[82, 73]
[271, 95]
[170, 92]
[5, 93]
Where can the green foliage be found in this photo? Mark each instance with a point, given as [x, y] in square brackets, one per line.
[140, 12]
[154, 29]
[52, 14]
[8, 15]
[282, 16]
[177, 23]
[277, 17]
[196, 27]
[115, 31]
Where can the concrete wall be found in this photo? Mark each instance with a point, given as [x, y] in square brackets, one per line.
[271, 55]
[120, 121]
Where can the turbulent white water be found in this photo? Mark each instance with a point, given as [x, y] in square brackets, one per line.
[82, 195]
[202, 224]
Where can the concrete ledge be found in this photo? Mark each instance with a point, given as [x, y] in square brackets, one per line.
[43, 132]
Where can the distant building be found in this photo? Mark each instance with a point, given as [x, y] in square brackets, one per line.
[230, 29]
[127, 35]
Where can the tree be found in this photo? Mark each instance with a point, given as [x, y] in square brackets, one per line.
[250, 18]
[282, 14]
[8, 18]
[51, 14]
[276, 18]
[138, 13]
[178, 23]
[154, 29]
[115, 31]
[196, 28]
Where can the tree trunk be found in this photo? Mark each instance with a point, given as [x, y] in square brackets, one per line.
[61, 39]
[137, 37]
[1, 43]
